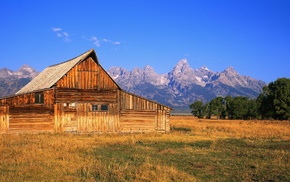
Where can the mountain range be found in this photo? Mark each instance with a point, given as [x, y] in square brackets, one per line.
[184, 85]
[178, 88]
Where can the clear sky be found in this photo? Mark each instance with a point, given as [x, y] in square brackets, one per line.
[253, 36]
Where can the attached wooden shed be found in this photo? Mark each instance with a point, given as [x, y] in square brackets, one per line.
[79, 95]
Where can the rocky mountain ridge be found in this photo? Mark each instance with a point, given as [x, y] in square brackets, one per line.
[183, 85]
[24, 71]
[12, 81]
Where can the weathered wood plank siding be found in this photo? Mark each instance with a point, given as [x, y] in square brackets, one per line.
[64, 118]
[64, 95]
[31, 118]
[137, 121]
[29, 99]
[87, 75]
[82, 118]
[141, 115]
[97, 121]
[163, 117]
[130, 101]
[24, 115]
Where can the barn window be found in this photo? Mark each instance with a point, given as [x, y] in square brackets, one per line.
[104, 107]
[95, 107]
[39, 98]
[70, 105]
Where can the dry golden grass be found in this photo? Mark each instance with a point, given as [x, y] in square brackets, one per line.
[195, 150]
[69, 157]
[215, 128]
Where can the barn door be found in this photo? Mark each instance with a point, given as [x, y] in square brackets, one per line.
[70, 120]
[4, 118]
[161, 120]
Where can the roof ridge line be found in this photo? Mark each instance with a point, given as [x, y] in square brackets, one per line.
[89, 51]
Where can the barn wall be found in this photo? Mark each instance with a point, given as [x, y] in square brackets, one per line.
[141, 115]
[137, 121]
[29, 99]
[133, 102]
[73, 110]
[24, 115]
[85, 95]
[32, 118]
[82, 118]
[97, 121]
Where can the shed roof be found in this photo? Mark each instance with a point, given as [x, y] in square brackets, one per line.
[50, 75]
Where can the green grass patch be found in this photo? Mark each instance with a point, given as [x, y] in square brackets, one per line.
[181, 129]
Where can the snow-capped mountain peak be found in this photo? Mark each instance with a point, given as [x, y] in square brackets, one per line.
[182, 66]
[24, 71]
[203, 68]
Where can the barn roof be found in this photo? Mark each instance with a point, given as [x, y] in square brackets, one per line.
[50, 75]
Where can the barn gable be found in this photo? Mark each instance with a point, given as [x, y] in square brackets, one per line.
[87, 75]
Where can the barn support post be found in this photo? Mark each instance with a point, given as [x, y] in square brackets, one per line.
[167, 120]
[56, 128]
[4, 118]
[58, 118]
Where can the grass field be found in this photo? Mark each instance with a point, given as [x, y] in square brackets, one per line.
[195, 150]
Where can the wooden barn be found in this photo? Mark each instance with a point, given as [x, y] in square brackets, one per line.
[79, 95]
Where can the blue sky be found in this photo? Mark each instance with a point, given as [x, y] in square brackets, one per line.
[253, 36]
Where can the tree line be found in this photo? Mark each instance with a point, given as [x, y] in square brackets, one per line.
[272, 103]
